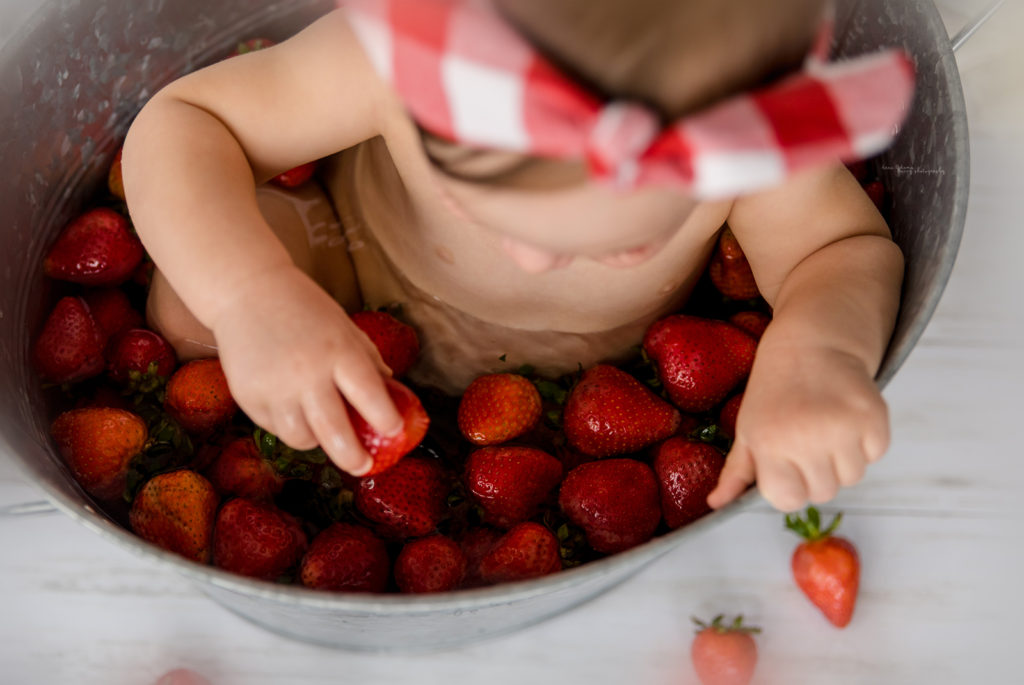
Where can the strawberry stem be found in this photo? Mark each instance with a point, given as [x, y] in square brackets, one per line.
[719, 626]
[810, 529]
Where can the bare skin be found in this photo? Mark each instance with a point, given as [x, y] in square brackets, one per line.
[526, 258]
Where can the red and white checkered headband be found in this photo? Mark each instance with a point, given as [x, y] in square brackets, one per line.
[466, 75]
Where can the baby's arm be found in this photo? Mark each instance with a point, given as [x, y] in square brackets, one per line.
[191, 163]
[812, 417]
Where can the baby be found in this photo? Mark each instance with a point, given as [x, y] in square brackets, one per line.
[552, 252]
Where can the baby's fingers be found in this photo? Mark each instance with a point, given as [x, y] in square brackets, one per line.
[363, 387]
[325, 412]
[736, 476]
[290, 426]
[822, 481]
[781, 484]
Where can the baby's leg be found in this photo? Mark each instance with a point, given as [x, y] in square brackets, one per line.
[305, 222]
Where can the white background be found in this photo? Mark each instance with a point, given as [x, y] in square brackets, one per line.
[937, 522]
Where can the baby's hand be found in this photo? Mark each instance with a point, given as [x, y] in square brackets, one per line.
[293, 357]
[811, 421]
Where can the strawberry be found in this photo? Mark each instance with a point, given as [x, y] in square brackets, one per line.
[397, 342]
[609, 412]
[826, 568]
[729, 270]
[115, 180]
[239, 469]
[256, 539]
[699, 361]
[497, 408]
[112, 311]
[754, 323]
[96, 248]
[724, 654]
[250, 45]
[687, 472]
[878, 194]
[296, 176]
[432, 564]
[614, 501]
[408, 500]
[727, 417]
[97, 444]
[386, 451]
[140, 358]
[528, 550]
[346, 558]
[198, 397]
[175, 511]
[510, 483]
[70, 346]
[476, 543]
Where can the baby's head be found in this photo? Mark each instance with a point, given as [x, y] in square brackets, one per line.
[675, 56]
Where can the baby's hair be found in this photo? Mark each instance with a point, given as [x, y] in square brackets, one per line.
[676, 56]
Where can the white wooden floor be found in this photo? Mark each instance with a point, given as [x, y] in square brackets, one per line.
[937, 523]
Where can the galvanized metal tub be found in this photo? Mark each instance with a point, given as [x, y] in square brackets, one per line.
[70, 85]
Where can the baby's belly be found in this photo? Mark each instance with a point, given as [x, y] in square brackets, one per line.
[472, 320]
[457, 347]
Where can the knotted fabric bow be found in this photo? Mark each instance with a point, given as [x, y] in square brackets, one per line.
[466, 75]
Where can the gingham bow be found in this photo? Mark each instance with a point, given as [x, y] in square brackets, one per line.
[466, 75]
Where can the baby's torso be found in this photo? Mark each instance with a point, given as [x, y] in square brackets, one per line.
[414, 245]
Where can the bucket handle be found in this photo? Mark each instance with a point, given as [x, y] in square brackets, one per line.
[972, 26]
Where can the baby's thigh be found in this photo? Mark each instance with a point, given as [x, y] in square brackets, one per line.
[305, 222]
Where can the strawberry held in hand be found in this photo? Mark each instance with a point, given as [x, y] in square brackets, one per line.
[175, 511]
[511, 483]
[257, 539]
[70, 346]
[724, 654]
[498, 407]
[609, 412]
[700, 361]
[614, 501]
[97, 248]
[198, 397]
[387, 450]
[97, 444]
[397, 342]
[825, 567]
